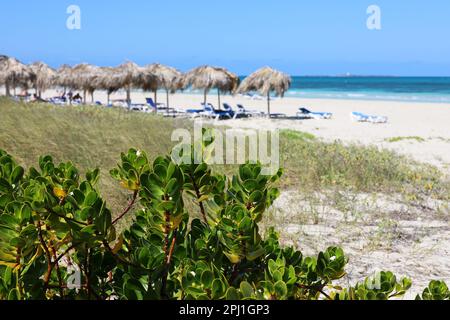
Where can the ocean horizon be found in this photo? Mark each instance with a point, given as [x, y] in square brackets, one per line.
[383, 88]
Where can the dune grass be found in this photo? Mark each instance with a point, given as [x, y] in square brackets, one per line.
[411, 138]
[90, 137]
[94, 137]
[313, 164]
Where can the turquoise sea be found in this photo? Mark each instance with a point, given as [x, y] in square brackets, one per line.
[413, 89]
[410, 89]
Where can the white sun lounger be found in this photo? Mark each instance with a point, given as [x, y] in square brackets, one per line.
[361, 117]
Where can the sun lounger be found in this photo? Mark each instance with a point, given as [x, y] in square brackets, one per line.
[303, 112]
[22, 97]
[161, 107]
[119, 103]
[173, 113]
[37, 99]
[361, 117]
[242, 112]
[210, 112]
[77, 102]
[58, 101]
[278, 115]
[139, 107]
[154, 105]
[229, 109]
[195, 111]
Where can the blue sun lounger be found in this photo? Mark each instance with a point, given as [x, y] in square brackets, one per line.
[233, 114]
[303, 112]
[209, 111]
[154, 105]
[196, 111]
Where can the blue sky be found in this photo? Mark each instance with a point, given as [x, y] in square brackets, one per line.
[297, 36]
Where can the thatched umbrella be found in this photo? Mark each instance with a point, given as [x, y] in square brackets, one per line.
[64, 76]
[3, 59]
[168, 78]
[207, 77]
[265, 81]
[83, 78]
[110, 80]
[14, 74]
[131, 75]
[44, 77]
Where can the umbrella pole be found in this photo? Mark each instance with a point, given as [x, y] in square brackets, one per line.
[84, 96]
[204, 97]
[8, 93]
[14, 85]
[218, 97]
[268, 104]
[156, 98]
[167, 100]
[92, 97]
[129, 95]
[107, 98]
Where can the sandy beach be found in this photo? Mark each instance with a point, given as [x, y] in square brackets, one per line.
[289, 150]
[420, 130]
[378, 231]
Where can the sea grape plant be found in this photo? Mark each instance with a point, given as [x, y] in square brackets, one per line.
[59, 240]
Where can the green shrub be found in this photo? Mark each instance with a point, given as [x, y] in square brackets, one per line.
[53, 221]
[436, 290]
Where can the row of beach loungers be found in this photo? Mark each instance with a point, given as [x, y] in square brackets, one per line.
[208, 111]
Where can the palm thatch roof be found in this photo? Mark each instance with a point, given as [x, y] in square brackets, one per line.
[80, 77]
[83, 76]
[133, 76]
[130, 73]
[163, 77]
[208, 77]
[266, 81]
[168, 78]
[108, 79]
[14, 73]
[44, 76]
[64, 76]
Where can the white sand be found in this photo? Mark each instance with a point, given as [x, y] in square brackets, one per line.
[378, 232]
